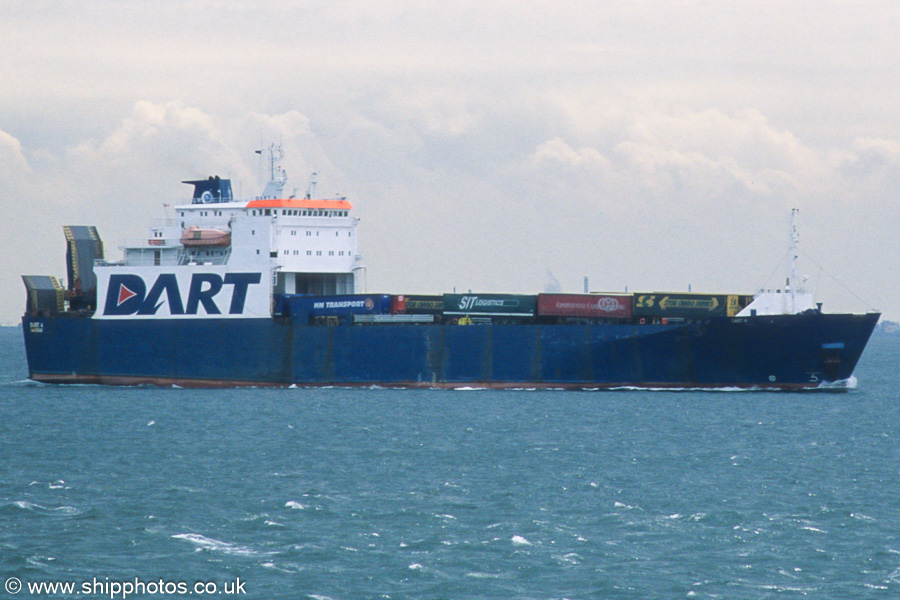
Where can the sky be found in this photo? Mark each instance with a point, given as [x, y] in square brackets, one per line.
[492, 146]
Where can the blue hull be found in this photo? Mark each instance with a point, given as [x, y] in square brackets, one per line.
[779, 352]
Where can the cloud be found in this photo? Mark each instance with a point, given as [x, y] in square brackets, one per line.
[873, 163]
[21, 213]
[144, 159]
[556, 152]
[677, 160]
[14, 168]
[154, 136]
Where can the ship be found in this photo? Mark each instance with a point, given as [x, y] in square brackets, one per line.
[271, 291]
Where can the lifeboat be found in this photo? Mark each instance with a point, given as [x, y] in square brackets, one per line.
[194, 237]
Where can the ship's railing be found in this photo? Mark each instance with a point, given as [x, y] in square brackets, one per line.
[185, 258]
[401, 318]
[149, 243]
[780, 291]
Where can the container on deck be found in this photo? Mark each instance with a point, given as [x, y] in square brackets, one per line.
[490, 305]
[417, 305]
[302, 308]
[607, 306]
[685, 305]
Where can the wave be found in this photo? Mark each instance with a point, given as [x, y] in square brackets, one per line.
[58, 484]
[842, 384]
[24, 383]
[637, 388]
[213, 545]
[67, 511]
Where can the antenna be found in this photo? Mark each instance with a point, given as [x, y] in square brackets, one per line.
[277, 175]
[275, 156]
[311, 190]
[793, 279]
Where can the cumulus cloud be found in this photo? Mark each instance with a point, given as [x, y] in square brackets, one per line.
[159, 144]
[743, 148]
[556, 152]
[871, 158]
[152, 139]
[13, 166]
[21, 211]
[683, 159]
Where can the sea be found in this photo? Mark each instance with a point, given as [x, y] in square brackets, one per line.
[145, 492]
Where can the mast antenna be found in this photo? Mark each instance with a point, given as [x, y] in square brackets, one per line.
[311, 190]
[275, 156]
[793, 278]
[277, 175]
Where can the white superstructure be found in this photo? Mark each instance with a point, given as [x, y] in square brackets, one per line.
[793, 298]
[296, 245]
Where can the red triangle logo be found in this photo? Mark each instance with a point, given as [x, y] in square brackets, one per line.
[124, 294]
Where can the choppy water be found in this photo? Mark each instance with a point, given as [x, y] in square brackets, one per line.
[345, 494]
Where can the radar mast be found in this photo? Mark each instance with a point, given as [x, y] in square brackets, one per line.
[277, 175]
